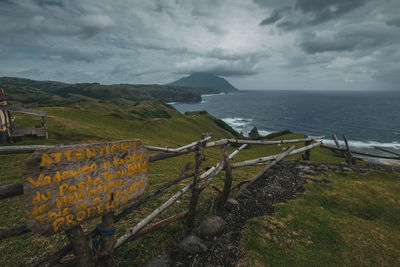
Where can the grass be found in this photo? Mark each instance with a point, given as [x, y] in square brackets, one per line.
[352, 221]
[91, 121]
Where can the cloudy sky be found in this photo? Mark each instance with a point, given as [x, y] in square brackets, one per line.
[255, 44]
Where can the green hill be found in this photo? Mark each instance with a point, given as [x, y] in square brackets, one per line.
[48, 93]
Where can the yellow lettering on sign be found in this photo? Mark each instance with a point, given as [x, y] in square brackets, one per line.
[115, 148]
[46, 160]
[68, 155]
[58, 223]
[57, 157]
[37, 182]
[81, 215]
[90, 152]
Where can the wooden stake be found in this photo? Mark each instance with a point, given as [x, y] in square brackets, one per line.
[80, 245]
[107, 241]
[338, 146]
[351, 160]
[195, 188]
[228, 177]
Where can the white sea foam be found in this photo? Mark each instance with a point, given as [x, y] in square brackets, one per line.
[365, 144]
[244, 125]
[238, 122]
[206, 95]
[264, 133]
[171, 103]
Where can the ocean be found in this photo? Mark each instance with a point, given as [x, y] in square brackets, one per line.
[367, 119]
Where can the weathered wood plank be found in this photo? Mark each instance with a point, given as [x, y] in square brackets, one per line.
[67, 186]
[15, 231]
[23, 110]
[228, 177]
[273, 157]
[359, 152]
[350, 159]
[107, 241]
[387, 151]
[260, 142]
[190, 218]
[11, 190]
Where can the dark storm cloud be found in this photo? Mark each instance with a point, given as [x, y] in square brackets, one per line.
[324, 10]
[394, 22]
[311, 13]
[280, 43]
[349, 39]
[275, 16]
[36, 18]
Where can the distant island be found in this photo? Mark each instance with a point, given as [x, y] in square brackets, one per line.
[204, 80]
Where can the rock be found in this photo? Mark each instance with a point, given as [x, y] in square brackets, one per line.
[191, 245]
[232, 201]
[346, 169]
[159, 261]
[322, 168]
[211, 226]
[254, 132]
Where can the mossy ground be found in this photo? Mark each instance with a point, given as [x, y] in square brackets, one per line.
[352, 221]
[95, 121]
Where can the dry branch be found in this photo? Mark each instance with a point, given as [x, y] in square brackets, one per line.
[259, 142]
[158, 225]
[387, 151]
[179, 149]
[350, 159]
[359, 152]
[273, 157]
[16, 231]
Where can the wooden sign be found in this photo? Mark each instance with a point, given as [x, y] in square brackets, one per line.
[69, 185]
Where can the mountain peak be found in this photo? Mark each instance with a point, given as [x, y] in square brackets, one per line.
[204, 80]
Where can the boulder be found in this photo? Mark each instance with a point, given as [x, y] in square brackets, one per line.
[191, 245]
[159, 261]
[211, 226]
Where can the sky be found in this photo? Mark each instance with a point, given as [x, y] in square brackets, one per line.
[254, 44]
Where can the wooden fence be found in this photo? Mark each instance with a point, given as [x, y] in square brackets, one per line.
[200, 180]
[348, 153]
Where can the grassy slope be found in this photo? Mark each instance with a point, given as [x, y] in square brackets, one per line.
[351, 222]
[93, 121]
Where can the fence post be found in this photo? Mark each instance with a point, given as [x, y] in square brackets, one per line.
[350, 159]
[195, 187]
[107, 231]
[80, 245]
[306, 155]
[228, 176]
